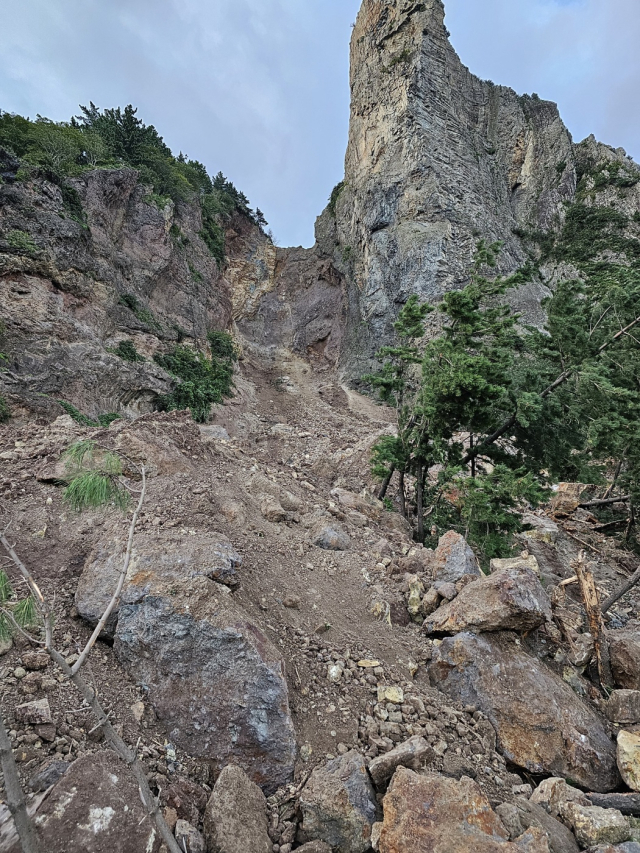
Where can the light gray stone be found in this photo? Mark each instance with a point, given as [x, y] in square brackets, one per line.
[235, 819]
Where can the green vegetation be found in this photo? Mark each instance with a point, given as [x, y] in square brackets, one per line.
[489, 412]
[22, 242]
[21, 610]
[84, 420]
[143, 314]
[126, 350]
[94, 478]
[113, 138]
[202, 381]
[336, 192]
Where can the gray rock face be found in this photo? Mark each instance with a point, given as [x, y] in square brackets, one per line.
[95, 806]
[429, 145]
[212, 677]
[512, 599]
[154, 559]
[236, 815]
[541, 724]
[338, 804]
[453, 559]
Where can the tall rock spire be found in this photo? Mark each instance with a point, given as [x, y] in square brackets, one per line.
[437, 158]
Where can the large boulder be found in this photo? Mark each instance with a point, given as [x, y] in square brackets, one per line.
[453, 559]
[338, 804]
[435, 814]
[510, 599]
[96, 806]
[235, 819]
[541, 724]
[212, 676]
[624, 649]
[164, 558]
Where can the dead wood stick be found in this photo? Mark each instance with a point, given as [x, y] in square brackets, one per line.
[582, 542]
[624, 589]
[594, 616]
[605, 502]
[123, 574]
[16, 801]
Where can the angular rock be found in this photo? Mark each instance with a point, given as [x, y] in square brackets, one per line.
[48, 776]
[554, 794]
[213, 678]
[624, 707]
[514, 562]
[95, 807]
[414, 753]
[186, 798]
[541, 724]
[331, 537]
[271, 510]
[35, 661]
[235, 819]
[364, 504]
[189, 838]
[314, 847]
[453, 559]
[582, 651]
[434, 814]
[629, 759]
[593, 825]
[534, 840]
[559, 837]
[338, 804]
[35, 713]
[155, 559]
[510, 599]
[624, 649]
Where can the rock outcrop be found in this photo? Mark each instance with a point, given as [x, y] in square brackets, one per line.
[541, 723]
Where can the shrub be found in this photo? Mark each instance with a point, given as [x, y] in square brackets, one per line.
[20, 241]
[202, 381]
[143, 314]
[336, 192]
[126, 350]
[84, 420]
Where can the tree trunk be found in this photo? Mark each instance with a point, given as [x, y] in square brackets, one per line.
[420, 502]
[385, 483]
[596, 623]
[15, 795]
[403, 500]
[473, 458]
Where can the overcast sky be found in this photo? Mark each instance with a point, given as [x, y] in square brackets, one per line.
[259, 88]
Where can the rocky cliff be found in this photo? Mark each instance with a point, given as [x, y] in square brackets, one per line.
[437, 159]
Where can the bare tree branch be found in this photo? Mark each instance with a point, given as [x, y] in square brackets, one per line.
[90, 694]
[15, 795]
[123, 574]
[624, 589]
